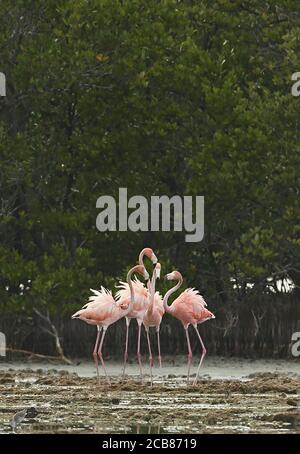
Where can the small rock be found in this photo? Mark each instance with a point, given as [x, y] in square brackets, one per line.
[63, 372]
[292, 402]
[31, 412]
[18, 418]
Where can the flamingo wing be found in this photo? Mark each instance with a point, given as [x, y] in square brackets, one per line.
[190, 303]
[191, 297]
[99, 307]
[141, 294]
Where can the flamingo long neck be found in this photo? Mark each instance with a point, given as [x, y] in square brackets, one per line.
[141, 263]
[129, 281]
[141, 257]
[152, 293]
[168, 294]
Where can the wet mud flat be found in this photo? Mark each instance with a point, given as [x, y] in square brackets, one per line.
[67, 403]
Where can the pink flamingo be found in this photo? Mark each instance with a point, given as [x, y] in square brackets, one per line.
[190, 309]
[140, 304]
[103, 310]
[153, 316]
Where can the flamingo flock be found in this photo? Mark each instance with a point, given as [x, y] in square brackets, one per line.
[135, 300]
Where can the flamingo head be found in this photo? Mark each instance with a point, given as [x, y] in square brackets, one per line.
[207, 315]
[140, 269]
[157, 270]
[123, 304]
[174, 276]
[148, 252]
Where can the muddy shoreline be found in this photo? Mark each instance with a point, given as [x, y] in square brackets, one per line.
[263, 402]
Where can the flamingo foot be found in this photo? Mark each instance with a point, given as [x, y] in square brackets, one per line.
[189, 368]
[151, 367]
[139, 360]
[124, 366]
[97, 367]
[199, 367]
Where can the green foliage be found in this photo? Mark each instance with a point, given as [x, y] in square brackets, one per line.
[162, 98]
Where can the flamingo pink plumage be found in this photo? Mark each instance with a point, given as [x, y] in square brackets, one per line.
[103, 310]
[190, 309]
[153, 315]
[140, 304]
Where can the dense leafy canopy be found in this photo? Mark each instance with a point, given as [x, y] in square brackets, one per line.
[168, 97]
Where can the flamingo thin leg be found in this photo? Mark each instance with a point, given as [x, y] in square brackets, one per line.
[139, 348]
[100, 354]
[202, 356]
[150, 355]
[95, 351]
[126, 344]
[158, 346]
[190, 354]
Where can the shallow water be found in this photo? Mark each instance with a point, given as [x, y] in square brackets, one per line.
[266, 401]
[213, 367]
